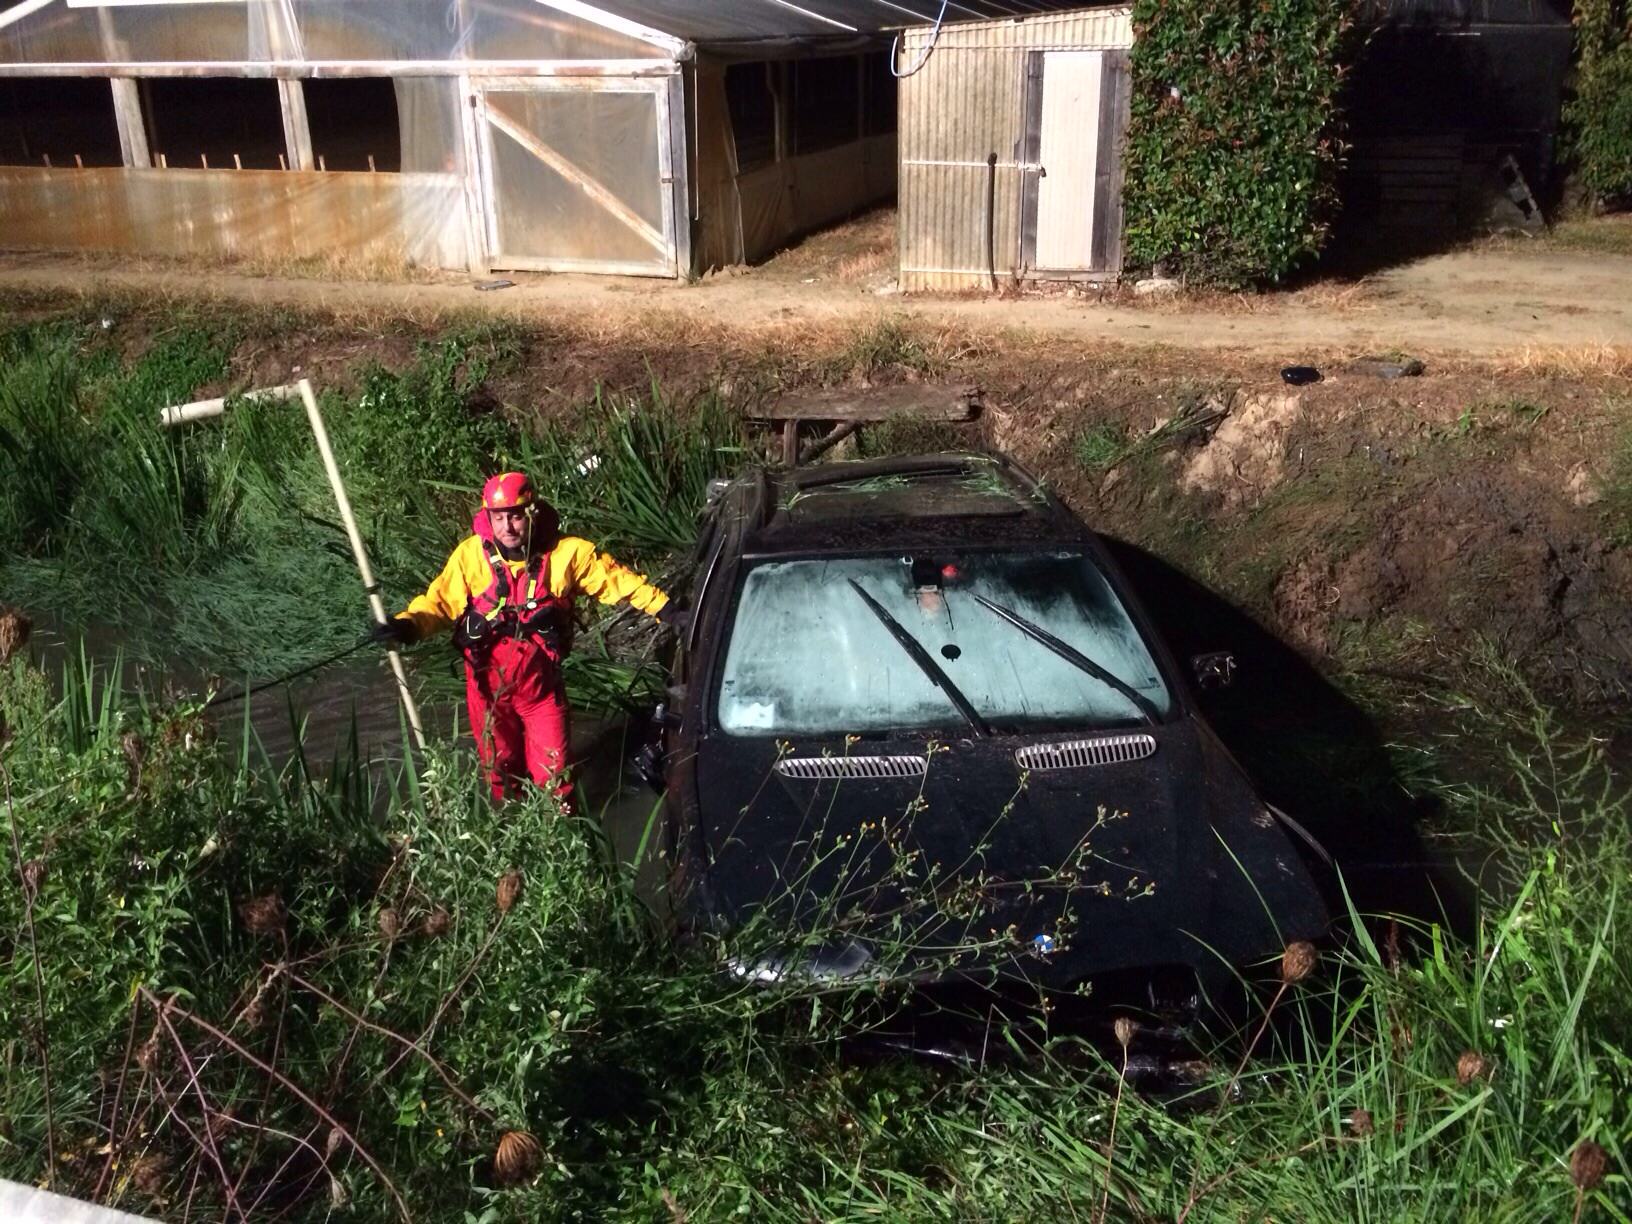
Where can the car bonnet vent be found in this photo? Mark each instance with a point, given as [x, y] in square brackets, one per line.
[825, 767]
[1079, 754]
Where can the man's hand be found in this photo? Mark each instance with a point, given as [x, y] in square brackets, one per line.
[395, 632]
[672, 616]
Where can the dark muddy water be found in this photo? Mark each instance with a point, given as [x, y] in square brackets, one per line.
[352, 707]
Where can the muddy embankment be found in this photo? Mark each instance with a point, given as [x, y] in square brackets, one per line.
[1366, 521]
[1370, 522]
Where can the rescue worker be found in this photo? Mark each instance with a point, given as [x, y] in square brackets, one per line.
[507, 593]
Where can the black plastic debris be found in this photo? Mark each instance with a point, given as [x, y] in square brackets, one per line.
[489, 285]
[1300, 376]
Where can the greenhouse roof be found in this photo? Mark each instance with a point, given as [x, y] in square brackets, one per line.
[407, 36]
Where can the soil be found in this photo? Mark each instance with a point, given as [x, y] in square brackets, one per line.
[1368, 522]
[1492, 299]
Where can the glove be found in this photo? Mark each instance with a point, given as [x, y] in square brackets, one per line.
[395, 632]
[675, 617]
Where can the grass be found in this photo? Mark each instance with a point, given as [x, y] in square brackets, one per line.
[656, 1085]
[1607, 235]
[220, 540]
[1107, 445]
[1414, 1075]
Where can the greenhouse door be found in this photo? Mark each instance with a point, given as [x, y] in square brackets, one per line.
[577, 176]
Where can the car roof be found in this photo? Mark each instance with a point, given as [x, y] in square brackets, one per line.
[963, 499]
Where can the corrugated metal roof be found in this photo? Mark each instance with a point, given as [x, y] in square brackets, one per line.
[732, 21]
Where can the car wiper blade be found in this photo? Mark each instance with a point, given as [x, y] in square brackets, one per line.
[920, 656]
[1072, 656]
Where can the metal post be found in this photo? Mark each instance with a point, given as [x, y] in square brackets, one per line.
[370, 587]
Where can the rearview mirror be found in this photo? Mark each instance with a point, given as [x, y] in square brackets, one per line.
[1214, 670]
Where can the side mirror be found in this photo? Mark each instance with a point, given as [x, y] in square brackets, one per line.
[1214, 670]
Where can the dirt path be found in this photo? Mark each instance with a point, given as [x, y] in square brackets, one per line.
[1474, 303]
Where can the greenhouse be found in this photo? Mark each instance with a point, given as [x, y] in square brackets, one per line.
[648, 137]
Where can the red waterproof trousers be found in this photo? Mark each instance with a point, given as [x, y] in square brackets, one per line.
[519, 714]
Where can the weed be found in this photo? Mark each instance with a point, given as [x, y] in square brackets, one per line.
[634, 476]
[1100, 448]
[890, 342]
[1524, 410]
[250, 996]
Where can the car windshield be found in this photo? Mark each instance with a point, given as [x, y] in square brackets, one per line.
[810, 653]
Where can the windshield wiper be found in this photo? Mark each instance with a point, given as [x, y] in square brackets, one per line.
[1072, 656]
[927, 665]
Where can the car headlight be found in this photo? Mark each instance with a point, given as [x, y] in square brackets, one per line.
[833, 963]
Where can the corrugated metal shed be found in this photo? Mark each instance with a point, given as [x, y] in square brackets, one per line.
[968, 161]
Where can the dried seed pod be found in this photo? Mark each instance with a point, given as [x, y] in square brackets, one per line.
[254, 1014]
[518, 1157]
[263, 915]
[148, 1174]
[331, 1145]
[509, 890]
[149, 1054]
[1587, 1165]
[438, 923]
[1297, 962]
[14, 631]
[1361, 1124]
[1471, 1066]
[34, 873]
[390, 923]
[135, 749]
[220, 1123]
[1125, 1028]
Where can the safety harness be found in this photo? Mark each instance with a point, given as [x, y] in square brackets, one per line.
[515, 605]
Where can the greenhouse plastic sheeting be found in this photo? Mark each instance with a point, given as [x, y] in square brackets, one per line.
[444, 30]
[454, 31]
[274, 214]
[354, 31]
[577, 178]
[428, 116]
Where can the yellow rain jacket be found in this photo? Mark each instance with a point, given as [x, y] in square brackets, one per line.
[574, 568]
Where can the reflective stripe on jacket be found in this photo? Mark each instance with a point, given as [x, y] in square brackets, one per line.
[575, 568]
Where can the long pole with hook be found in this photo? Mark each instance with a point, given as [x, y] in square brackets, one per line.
[370, 587]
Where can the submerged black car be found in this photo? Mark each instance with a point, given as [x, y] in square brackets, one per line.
[921, 729]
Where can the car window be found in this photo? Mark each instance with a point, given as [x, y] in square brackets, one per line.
[807, 654]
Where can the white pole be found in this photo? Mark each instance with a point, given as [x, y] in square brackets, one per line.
[370, 587]
[180, 414]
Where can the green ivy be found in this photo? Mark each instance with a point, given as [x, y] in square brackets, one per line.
[1233, 147]
[1598, 119]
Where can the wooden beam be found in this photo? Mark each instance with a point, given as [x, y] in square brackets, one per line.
[928, 402]
[133, 129]
[297, 131]
[582, 179]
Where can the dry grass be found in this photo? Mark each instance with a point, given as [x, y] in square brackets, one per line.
[860, 249]
[1568, 361]
[1330, 296]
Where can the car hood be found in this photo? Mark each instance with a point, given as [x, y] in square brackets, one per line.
[1050, 856]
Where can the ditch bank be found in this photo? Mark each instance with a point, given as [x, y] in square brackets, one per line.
[1371, 523]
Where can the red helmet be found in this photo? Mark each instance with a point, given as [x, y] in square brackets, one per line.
[508, 491]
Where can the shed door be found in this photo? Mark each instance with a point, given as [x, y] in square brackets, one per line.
[578, 178]
[1068, 147]
[1071, 211]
